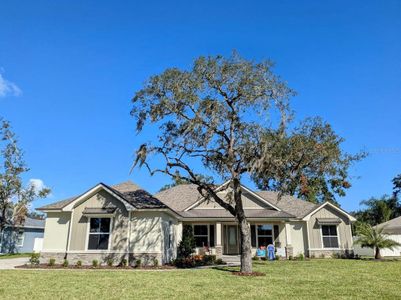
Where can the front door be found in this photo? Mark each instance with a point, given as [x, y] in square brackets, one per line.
[232, 239]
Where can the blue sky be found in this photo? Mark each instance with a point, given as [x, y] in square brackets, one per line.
[69, 69]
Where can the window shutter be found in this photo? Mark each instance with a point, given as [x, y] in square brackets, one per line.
[276, 233]
[253, 236]
[211, 232]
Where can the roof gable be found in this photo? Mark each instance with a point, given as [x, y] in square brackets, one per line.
[127, 192]
[334, 208]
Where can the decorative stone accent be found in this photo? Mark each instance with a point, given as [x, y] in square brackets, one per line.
[330, 253]
[46, 256]
[289, 251]
[102, 258]
[219, 251]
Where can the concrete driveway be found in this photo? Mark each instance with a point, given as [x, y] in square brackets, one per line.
[11, 263]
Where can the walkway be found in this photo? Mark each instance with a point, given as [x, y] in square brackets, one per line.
[11, 263]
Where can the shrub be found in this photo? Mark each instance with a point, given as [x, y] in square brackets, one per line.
[52, 262]
[290, 257]
[110, 262]
[65, 263]
[322, 256]
[301, 257]
[79, 263]
[185, 262]
[95, 263]
[209, 259]
[336, 255]
[187, 245]
[155, 262]
[255, 257]
[124, 262]
[278, 257]
[264, 258]
[138, 263]
[34, 260]
[313, 256]
[219, 261]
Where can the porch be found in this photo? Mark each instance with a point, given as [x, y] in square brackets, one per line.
[223, 238]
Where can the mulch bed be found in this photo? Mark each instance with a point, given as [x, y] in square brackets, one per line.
[88, 267]
[253, 274]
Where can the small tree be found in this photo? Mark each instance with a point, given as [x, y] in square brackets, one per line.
[14, 197]
[373, 237]
[187, 244]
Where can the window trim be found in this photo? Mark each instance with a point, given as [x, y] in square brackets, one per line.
[208, 233]
[88, 233]
[257, 234]
[338, 237]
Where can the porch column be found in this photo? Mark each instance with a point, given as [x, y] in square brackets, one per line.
[218, 246]
[289, 250]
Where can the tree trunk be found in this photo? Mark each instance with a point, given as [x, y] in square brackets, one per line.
[377, 254]
[245, 239]
[245, 232]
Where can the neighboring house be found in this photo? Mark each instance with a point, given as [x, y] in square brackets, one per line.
[21, 239]
[124, 221]
[393, 229]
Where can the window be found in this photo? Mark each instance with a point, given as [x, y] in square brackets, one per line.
[201, 235]
[265, 235]
[99, 233]
[329, 235]
[19, 239]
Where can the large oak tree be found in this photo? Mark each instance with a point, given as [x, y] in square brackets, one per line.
[215, 114]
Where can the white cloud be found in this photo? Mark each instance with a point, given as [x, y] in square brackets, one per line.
[37, 183]
[8, 88]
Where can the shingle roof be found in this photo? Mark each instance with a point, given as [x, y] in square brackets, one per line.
[222, 213]
[127, 190]
[182, 196]
[179, 197]
[29, 222]
[391, 227]
[297, 207]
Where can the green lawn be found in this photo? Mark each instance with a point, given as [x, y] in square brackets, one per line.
[315, 279]
[15, 255]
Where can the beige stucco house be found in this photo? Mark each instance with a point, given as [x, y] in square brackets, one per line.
[124, 221]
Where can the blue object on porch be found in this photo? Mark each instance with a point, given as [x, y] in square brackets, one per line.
[270, 252]
[261, 253]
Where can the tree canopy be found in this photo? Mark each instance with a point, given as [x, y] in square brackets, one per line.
[378, 210]
[306, 162]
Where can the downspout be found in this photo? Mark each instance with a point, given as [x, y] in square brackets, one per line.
[67, 246]
[129, 236]
[307, 237]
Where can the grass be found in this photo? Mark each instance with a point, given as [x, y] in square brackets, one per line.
[315, 279]
[14, 255]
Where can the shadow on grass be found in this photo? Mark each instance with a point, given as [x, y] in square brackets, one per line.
[226, 269]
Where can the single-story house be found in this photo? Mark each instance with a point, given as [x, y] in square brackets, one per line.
[21, 238]
[393, 229]
[124, 221]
